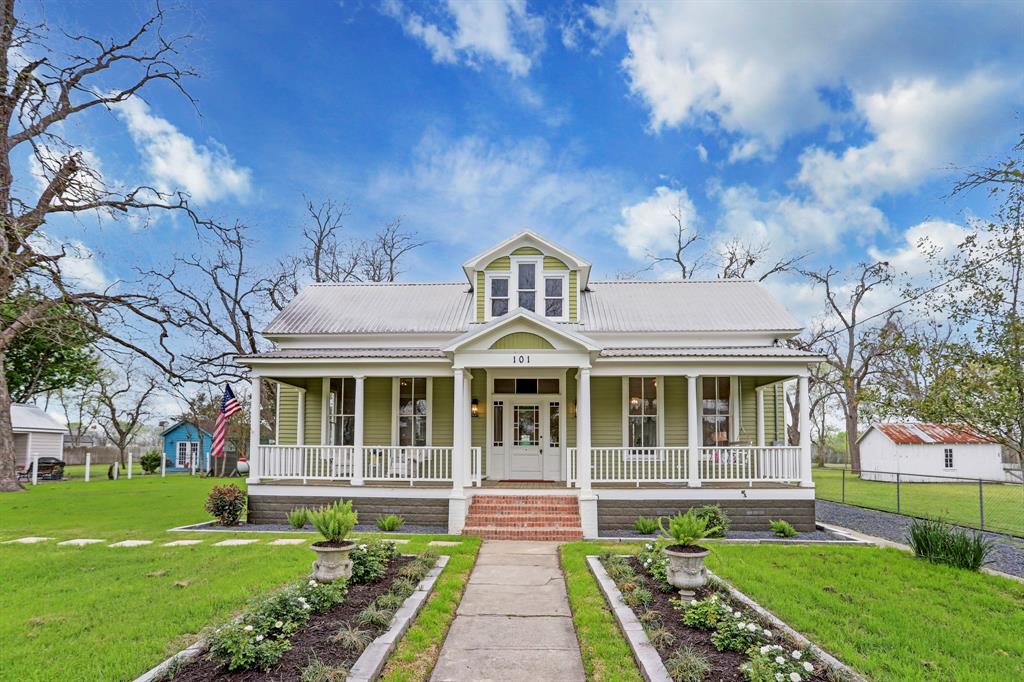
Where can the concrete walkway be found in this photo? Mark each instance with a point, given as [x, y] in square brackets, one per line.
[514, 621]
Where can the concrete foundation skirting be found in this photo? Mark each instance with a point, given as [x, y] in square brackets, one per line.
[647, 657]
[743, 514]
[370, 664]
[418, 511]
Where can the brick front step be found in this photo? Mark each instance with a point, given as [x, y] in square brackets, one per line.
[507, 506]
[540, 534]
[499, 522]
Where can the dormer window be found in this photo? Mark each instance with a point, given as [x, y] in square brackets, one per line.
[554, 296]
[499, 296]
[527, 289]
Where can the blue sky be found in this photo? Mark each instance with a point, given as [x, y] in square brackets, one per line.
[827, 128]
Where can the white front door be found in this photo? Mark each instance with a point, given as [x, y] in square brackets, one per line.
[527, 444]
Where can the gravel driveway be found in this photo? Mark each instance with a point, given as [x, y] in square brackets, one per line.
[1008, 555]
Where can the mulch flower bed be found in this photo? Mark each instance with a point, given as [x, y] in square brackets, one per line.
[312, 642]
[718, 640]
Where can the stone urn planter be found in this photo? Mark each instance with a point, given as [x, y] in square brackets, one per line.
[686, 569]
[332, 561]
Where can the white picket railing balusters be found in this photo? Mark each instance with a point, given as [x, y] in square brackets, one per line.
[306, 462]
[670, 465]
[779, 464]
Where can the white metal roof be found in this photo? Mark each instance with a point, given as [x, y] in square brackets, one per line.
[614, 306]
[344, 353]
[375, 308]
[26, 418]
[707, 351]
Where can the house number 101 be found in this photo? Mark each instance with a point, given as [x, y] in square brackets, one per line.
[520, 359]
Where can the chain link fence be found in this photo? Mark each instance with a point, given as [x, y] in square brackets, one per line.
[996, 506]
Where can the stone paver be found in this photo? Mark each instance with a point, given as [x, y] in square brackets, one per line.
[182, 543]
[234, 543]
[444, 543]
[514, 621]
[80, 542]
[131, 543]
[31, 540]
[288, 541]
[395, 541]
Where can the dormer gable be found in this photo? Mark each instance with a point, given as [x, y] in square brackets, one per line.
[527, 271]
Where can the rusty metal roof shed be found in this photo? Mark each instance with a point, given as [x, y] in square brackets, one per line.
[923, 433]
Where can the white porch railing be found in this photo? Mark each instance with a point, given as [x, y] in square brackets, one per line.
[476, 466]
[407, 463]
[671, 465]
[306, 462]
[727, 463]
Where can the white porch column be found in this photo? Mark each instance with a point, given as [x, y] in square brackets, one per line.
[692, 432]
[760, 416]
[300, 424]
[588, 500]
[357, 434]
[254, 432]
[805, 433]
[457, 498]
[467, 424]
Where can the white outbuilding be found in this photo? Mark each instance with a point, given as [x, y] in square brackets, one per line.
[928, 453]
[36, 433]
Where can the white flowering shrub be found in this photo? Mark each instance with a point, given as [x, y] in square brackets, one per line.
[773, 663]
[652, 558]
[738, 634]
[241, 646]
[704, 614]
[370, 561]
[322, 596]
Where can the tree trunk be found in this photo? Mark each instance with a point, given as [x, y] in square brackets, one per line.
[121, 456]
[8, 458]
[852, 446]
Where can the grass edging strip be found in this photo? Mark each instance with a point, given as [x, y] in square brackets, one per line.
[651, 666]
[846, 671]
[370, 664]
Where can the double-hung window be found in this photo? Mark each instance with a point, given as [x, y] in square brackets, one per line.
[499, 296]
[947, 456]
[526, 289]
[412, 411]
[642, 415]
[341, 408]
[554, 296]
[716, 406]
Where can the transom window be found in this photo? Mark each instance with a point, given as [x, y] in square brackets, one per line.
[716, 417]
[947, 456]
[526, 292]
[643, 412]
[499, 296]
[412, 411]
[526, 386]
[341, 410]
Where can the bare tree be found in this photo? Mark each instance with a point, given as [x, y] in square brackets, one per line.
[852, 348]
[683, 257]
[123, 405]
[382, 255]
[43, 87]
[80, 410]
[737, 260]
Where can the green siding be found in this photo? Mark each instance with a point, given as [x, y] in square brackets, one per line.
[522, 341]
[501, 263]
[377, 406]
[552, 263]
[573, 298]
[606, 412]
[287, 415]
[442, 407]
[314, 407]
[570, 416]
[527, 251]
[481, 299]
[774, 406]
[674, 411]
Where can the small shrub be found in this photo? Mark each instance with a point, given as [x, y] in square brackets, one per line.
[242, 646]
[298, 517]
[284, 611]
[704, 614]
[652, 558]
[389, 523]
[389, 601]
[617, 569]
[150, 462]
[374, 616]
[770, 663]
[352, 638]
[942, 543]
[715, 518]
[413, 571]
[318, 671]
[686, 530]
[403, 587]
[650, 619]
[334, 522]
[370, 561]
[783, 528]
[688, 665]
[226, 503]
[639, 598]
[661, 638]
[627, 585]
[322, 596]
[645, 525]
[738, 634]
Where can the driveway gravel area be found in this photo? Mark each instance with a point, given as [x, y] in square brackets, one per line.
[1007, 557]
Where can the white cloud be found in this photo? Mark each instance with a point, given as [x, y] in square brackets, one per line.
[79, 266]
[502, 31]
[764, 71]
[702, 152]
[938, 238]
[176, 162]
[649, 226]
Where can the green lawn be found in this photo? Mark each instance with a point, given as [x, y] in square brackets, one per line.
[955, 502]
[885, 613]
[111, 613]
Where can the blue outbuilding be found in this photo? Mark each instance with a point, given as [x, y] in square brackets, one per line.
[185, 442]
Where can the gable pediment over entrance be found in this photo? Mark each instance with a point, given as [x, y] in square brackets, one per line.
[522, 330]
[522, 341]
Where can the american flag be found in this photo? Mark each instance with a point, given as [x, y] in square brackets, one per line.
[228, 406]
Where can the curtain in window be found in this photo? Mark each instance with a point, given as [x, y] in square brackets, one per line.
[716, 418]
[412, 411]
[643, 412]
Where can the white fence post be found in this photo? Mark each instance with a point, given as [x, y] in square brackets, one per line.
[117, 469]
[163, 465]
[35, 469]
[88, 464]
[130, 466]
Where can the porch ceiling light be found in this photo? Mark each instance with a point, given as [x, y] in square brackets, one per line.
[475, 407]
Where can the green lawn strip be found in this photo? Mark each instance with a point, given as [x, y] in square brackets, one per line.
[884, 612]
[416, 654]
[954, 502]
[606, 654]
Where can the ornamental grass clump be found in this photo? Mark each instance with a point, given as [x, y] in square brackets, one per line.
[298, 518]
[334, 522]
[390, 523]
[226, 503]
[688, 665]
[939, 542]
[645, 525]
[685, 531]
[352, 638]
[783, 528]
